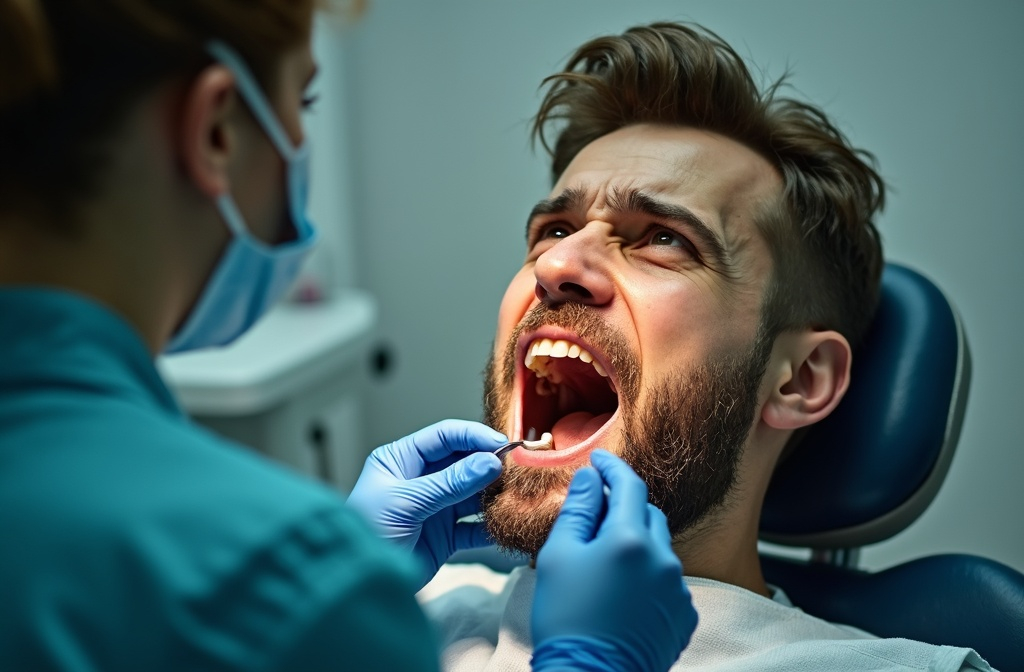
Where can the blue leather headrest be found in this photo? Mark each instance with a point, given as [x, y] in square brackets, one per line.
[870, 469]
[953, 600]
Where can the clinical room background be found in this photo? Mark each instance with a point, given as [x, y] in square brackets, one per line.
[423, 178]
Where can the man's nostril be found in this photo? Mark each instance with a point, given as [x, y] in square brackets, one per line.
[578, 290]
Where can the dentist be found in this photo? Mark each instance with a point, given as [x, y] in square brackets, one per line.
[153, 179]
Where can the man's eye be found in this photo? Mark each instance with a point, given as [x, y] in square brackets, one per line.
[672, 239]
[556, 231]
[667, 238]
[309, 100]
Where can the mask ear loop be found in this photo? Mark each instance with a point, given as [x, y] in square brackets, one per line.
[253, 95]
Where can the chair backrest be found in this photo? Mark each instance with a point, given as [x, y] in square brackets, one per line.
[871, 468]
[953, 600]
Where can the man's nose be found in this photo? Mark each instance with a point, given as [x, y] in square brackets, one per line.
[576, 269]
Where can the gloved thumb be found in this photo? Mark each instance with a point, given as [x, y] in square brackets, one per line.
[452, 485]
[583, 507]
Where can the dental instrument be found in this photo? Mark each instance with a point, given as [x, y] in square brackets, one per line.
[545, 443]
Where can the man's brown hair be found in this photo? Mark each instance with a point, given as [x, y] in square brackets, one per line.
[825, 247]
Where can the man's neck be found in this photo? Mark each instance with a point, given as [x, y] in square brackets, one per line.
[723, 549]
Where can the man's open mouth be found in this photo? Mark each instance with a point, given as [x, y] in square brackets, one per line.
[567, 388]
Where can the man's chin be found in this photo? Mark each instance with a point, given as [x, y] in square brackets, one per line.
[520, 509]
[524, 531]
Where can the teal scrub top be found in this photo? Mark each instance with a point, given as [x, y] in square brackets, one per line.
[134, 540]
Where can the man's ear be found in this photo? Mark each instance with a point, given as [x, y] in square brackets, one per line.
[811, 372]
[205, 138]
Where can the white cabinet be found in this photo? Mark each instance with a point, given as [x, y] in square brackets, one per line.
[291, 388]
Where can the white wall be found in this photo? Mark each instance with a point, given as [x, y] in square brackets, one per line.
[328, 125]
[440, 94]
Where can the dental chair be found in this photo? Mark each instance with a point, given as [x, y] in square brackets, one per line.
[867, 472]
[870, 469]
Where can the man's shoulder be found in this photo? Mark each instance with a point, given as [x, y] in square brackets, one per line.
[453, 576]
[739, 629]
[467, 603]
[846, 655]
[481, 614]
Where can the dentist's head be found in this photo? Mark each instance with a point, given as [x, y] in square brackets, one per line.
[153, 157]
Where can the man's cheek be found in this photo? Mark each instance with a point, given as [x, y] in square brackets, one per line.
[518, 298]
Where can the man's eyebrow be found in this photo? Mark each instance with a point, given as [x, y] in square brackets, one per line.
[572, 198]
[635, 201]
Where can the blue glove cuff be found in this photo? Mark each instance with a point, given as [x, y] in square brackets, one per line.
[580, 654]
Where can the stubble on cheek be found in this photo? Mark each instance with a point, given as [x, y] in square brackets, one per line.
[497, 398]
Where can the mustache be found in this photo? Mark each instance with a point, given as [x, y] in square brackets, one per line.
[592, 328]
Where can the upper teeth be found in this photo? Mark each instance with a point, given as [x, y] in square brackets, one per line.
[540, 353]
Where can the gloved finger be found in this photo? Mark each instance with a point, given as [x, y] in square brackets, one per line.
[442, 464]
[581, 511]
[462, 480]
[658, 524]
[627, 501]
[468, 507]
[441, 439]
[470, 535]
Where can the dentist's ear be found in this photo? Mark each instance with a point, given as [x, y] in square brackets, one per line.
[809, 374]
[204, 135]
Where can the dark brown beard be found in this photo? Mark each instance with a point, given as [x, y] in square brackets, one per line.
[686, 441]
[685, 437]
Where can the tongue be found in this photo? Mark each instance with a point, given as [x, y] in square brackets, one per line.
[577, 428]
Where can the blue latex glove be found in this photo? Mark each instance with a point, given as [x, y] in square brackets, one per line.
[610, 593]
[414, 491]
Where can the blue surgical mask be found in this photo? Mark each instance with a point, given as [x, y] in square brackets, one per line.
[251, 275]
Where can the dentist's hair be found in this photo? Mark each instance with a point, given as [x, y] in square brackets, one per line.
[70, 70]
[826, 250]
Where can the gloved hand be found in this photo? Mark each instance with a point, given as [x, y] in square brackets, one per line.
[610, 592]
[414, 490]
